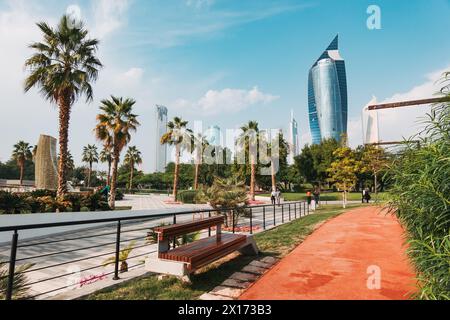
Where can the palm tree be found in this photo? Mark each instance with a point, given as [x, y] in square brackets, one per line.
[70, 164]
[106, 157]
[132, 157]
[22, 153]
[181, 138]
[63, 67]
[200, 144]
[249, 141]
[90, 156]
[114, 127]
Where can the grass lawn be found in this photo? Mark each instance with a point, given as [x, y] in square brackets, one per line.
[277, 242]
[333, 196]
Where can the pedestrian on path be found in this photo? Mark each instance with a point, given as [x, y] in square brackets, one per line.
[273, 196]
[278, 197]
[317, 196]
[367, 196]
[309, 198]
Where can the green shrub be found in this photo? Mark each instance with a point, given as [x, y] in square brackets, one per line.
[119, 195]
[95, 201]
[43, 193]
[12, 203]
[420, 197]
[187, 196]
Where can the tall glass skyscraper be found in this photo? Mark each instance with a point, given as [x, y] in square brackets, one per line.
[327, 95]
[294, 142]
[160, 151]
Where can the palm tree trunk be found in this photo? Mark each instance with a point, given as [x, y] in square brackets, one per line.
[64, 119]
[108, 179]
[197, 169]
[177, 172]
[252, 181]
[131, 175]
[274, 180]
[89, 175]
[115, 163]
[22, 164]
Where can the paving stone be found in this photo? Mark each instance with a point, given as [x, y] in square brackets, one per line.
[260, 264]
[242, 276]
[269, 260]
[254, 270]
[236, 283]
[233, 293]
[209, 296]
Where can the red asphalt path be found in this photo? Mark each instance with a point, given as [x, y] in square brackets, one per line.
[341, 260]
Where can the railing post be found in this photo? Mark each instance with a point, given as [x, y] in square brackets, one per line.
[308, 211]
[282, 213]
[209, 229]
[174, 243]
[251, 221]
[304, 209]
[264, 218]
[295, 211]
[274, 216]
[116, 262]
[12, 265]
[289, 212]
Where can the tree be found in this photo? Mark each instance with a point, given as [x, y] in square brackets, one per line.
[114, 127]
[225, 194]
[90, 156]
[106, 157]
[200, 145]
[63, 67]
[314, 161]
[375, 161]
[132, 157]
[181, 138]
[70, 164]
[21, 153]
[248, 140]
[343, 170]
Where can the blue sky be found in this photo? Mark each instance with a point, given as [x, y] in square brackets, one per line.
[226, 62]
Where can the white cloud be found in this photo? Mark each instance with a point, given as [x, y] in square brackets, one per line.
[109, 15]
[199, 3]
[227, 100]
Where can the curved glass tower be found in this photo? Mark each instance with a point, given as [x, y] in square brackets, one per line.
[327, 95]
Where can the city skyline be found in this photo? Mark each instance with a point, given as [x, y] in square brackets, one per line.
[327, 95]
[160, 150]
[220, 64]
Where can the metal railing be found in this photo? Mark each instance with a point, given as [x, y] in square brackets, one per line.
[246, 220]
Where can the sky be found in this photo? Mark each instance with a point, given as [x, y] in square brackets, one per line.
[225, 62]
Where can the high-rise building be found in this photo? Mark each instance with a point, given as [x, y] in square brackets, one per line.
[213, 136]
[294, 143]
[160, 151]
[327, 95]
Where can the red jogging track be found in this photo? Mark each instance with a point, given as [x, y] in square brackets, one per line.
[341, 260]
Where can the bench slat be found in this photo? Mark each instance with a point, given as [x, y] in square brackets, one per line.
[179, 229]
[204, 249]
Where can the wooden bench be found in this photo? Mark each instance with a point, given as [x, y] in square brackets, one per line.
[185, 259]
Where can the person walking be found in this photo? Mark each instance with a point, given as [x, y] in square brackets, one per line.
[363, 196]
[317, 196]
[278, 197]
[309, 198]
[367, 195]
[273, 196]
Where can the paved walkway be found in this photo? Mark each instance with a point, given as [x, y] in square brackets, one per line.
[338, 260]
